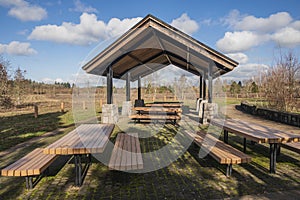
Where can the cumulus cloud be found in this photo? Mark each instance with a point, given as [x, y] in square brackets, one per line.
[88, 31]
[24, 11]
[269, 24]
[249, 31]
[185, 24]
[246, 71]
[17, 48]
[240, 57]
[81, 7]
[287, 37]
[234, 42]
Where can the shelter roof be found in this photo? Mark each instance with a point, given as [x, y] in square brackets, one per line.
[151, 45]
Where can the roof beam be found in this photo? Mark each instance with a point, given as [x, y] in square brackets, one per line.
[145, 61]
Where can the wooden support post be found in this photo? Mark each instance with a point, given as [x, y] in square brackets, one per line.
[204, 87]
[139, 88]
[210, 82]
[153, 98]
[36, 111]
[128, 87]
[109, 77]
[201, 87]
[62, 107]
[165, 98]
[174, 97]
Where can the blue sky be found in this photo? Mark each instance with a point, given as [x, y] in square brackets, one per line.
[50, 39]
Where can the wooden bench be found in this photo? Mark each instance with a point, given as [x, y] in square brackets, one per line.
[126, 154]
[221, 152]
[31, 165]
[292, 146]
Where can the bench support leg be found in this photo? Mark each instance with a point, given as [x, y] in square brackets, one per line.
[229, 170]
[80, 172]
[245, 145]
[29, 182]
[226, 136]
[273, 154]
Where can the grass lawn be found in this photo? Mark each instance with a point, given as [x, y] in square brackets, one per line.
[188, 177]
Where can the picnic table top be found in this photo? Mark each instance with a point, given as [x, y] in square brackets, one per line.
[158, 109]
[85, 139]
[163, 105]
[256, 132]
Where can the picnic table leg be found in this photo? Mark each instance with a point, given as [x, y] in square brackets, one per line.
[229, 170]
[29, 184]
[78, 170]
[273, 154]
[226, 136]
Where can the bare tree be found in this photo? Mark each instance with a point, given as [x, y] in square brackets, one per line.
[19, 85]
[5, 99]
[280, 83]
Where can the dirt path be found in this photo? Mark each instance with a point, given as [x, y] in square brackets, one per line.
[233, 113]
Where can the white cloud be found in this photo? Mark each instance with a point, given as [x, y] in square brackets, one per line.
[24, 11]
[80, 7]
[240, 57]
[234, 42]
[287, 37]
[185, 24]
[250, 31]
[246, 71]
[296, 25]
[17, 48]
[52, 81]
[232, 18]
[88, 31]
[269, 24]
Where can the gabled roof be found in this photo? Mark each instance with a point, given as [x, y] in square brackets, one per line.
[151, 45]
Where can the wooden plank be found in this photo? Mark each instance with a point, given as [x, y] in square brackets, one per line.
[124, 154]
[158, 117]
[32, 164]
[139, 154]
[113, 157]
[128, 152]
[256, 132]
[221, 152]
[134, 153]
[119, 153]
[26, 161]
[158, 109]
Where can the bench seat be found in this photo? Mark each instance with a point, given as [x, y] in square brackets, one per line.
[126, 154]
[33, 164]
[292, 146]
[221, 152]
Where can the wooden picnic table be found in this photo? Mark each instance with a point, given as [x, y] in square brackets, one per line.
[257, 133]
[84, 140]
[166, 105]
[158, 109]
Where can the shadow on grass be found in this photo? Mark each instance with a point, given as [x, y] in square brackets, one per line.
[20, 128]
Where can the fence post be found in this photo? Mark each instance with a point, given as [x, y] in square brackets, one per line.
[36, 111]
[62, 107]
[165, 98]
[83, 105]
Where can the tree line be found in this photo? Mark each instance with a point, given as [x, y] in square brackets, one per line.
[14, 86]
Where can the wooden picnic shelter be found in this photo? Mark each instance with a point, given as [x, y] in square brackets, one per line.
[151, 45]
